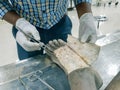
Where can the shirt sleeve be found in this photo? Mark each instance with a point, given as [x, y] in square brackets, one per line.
[4, 7]
[80, 1]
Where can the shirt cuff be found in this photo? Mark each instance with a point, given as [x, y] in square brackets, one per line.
[4, 8]
[80, 1]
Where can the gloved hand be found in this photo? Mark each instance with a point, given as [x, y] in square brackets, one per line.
[50, 49]
[87, 29]
[54, 45]
[23, 40]
[61, 53]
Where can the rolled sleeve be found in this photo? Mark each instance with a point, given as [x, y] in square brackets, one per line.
[4, 8]
[80, 1]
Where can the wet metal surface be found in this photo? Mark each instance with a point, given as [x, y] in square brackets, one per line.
[115, 84]
[36, 73]
[39, 73]
[108, 63]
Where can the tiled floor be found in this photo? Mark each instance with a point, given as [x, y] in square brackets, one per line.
[8, 52]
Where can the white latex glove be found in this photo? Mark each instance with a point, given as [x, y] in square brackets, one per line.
[87, 29]
[23, 40]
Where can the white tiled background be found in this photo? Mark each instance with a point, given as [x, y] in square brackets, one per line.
[8, 52]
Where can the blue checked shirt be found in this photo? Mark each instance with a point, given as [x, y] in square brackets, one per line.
[40, 13]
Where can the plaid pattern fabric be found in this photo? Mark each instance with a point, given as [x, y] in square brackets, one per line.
[80, 1]
[41, 13]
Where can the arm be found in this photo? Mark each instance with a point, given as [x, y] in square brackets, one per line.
[11, 17]
[80, 75]
[87, 29]
[83, 8]
[22, 24]
[8, 14]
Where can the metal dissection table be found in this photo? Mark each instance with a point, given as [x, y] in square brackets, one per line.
[40, 73]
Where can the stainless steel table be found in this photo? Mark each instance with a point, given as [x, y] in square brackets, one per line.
[108, 63]
[36, 73]
[39, 73]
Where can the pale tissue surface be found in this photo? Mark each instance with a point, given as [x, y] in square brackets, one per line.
[80, 56]
[69, 59]
[89, 52]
